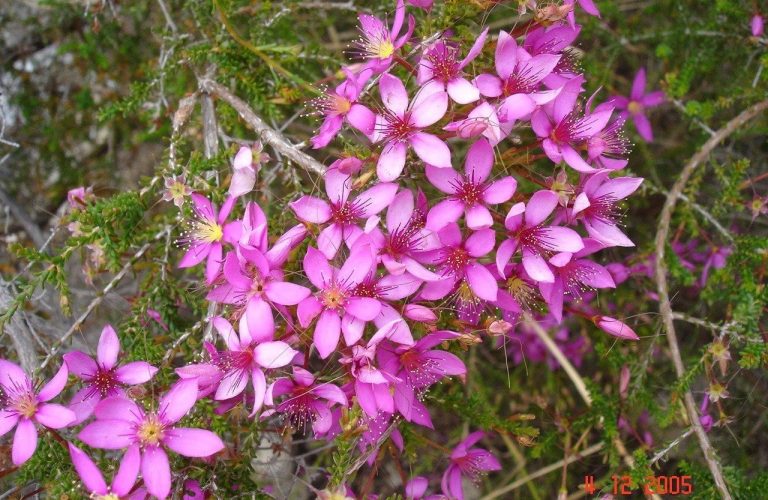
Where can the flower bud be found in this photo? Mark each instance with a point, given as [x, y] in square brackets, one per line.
[499, 327]
[624, 377]
[615, 327]
[419, 313]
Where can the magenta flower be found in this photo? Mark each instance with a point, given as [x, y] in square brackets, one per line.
[416, 368]
[122, 424]
[342, 213]
[206, 235]
[597, 206]
[336, 303]
[385, 289]
[562, 132]
[528, 233]
[468, 462]
[253, 285]
[245, 359]
[371, 385]
[440, 63]
[400, 125]
[636, 104]
[406, 240]
[308, 402]
[102, 377]
[341, 104]
[574, 275]
[520, 76]
[245, 166]
[456, 262]
[93, 479]
[615, 327]
[377, 43]
[757, 25]
[483, 120]
[22, 407]
[469, 193]
[555, 40]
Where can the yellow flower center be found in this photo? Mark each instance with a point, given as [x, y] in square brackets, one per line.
[385, 49]
[333, 298]
[151, 431]
[110, 496]
[178, 190]
[341, 104]
[634, 107]
[209, 231]
[26, 405]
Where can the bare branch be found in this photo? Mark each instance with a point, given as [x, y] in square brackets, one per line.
[665, 307]
[21, 215]
[267, 133]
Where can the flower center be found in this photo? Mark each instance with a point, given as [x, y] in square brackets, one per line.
[105, 382]
[469, 192]
[151, 431]
[385, 49]
[208, 231]
[456, 259]
[345, 213]
[333, 297]
[445, 66]
[109, 496]
[634, 107]
[178, 190]
[25, 404]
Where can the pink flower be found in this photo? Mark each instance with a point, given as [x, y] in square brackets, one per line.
[440, 63]
[308, 402]
[528, 233]
[93, 479]
[245, 166]
[615, 327]
[176, 190]
[469, 193]
[342, 213]
[122, 424]
[597, 207]
[22, 407]
[467, 462]
[341, 104]
[336, 303]
[256, 287]
[562, 132]
[401, 124]
[636, 104]
[79, 197]
[102, 377]
[406, 240]
[482, 120]
[371, 385]
[757, 25]
[415, 368]
[207, 234]
[456, 262]
[377, 43]
[574, 275]
[520, 76]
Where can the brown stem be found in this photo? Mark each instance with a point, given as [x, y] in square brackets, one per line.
[665, 307]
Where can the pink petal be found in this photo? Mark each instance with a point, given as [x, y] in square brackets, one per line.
[54, 416]
[446, 180]
[537, 268]
[480, 243]
[261, 323]
[327, 333]
[643, 127]
[358, 265]
[479, 162]
[156, 471]
[317, 268]
[195, 255]
[8, 421]
[450, 235]
[563, 239]
[118, 408]
[429, 109]
[80, 364]
[653, 99]
[391, 161]
[213, 265]
[478, 217]
[444, 213]
[108, 434]
[227, 332]
[619, 188]
[638, 85]
[55, 385]
[475, 50]
[273, 354]
[393, 94]
[24, 441]
[362, 118]
[515, 107]
[88, 471]
[506, 55]
[363, 308]
[375, 199]
[193, 442]
[11, 375]
[259, 389]
[607, 234]
[540, 206]
[109, 347]
[500, 191]
[83, 403]
[134, 373]
[462, 91]
[308, 309]
[178, 401]
[311, 209]
[431, 150]
[489, 85]
[338, 185]
[233, 384]
[352, 328]
[482, 282]
[284, 293]
[126, 475]
[400, 210]
[574, 160]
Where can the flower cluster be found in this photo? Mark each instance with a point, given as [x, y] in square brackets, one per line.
[438, 232]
